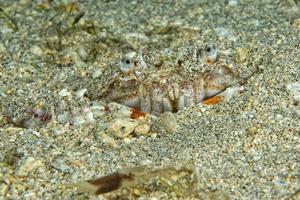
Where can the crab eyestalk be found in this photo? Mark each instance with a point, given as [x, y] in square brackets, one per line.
[127, 64]
[210, 54]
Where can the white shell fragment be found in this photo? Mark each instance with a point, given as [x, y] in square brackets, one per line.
[121, 128]
[169, 121]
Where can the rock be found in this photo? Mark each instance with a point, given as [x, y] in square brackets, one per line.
[36, 50]
[97, 73]
[123, 112]
[64, 92]
[98, 111]
[225, 33]
[80, 93]
[121, 128]
[82, 52]
[2, 48]
[218, 195]
[29, 166]
[232, 2]
[296, 23]
[89, 117]
[61, 166]
[3, 189]
[241, 55]
[142, 129]
[108, 140]
[232, 92]
[169, 121]
[294, 89]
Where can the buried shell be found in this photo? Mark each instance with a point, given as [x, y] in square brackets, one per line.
[153, 90]
[176, 181]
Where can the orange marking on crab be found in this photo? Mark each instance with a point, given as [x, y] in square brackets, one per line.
[213, 100]
[136, 114]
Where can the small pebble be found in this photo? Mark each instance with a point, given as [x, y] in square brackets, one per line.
[64, 92]
[61, 166]
[169, 121]
[108, 140]
[98, 110]
[294, 88]
[123, 112]
[80, 93]
[90, 118]
[241, 55]
[63, 118]
[225, 33]
[2, 48]
[29, 166]
[83, 53]
[36, 50]
[142, 129]
[121, 128]
[232, 92]
[218, 195]
[296, 23]
[97, 73]
[3, 189]
[127, 140]
[232, 2]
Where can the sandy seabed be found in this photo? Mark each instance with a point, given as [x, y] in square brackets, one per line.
[57, 56]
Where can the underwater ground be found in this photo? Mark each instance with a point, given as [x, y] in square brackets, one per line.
[57, 58]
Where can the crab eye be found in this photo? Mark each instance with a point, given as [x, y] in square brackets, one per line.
[210, 53]
[208, 49]
[126, 63]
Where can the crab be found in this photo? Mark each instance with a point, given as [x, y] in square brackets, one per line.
[165, 86]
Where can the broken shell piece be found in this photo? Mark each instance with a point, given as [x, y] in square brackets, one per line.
[121, 128]
[169, 121]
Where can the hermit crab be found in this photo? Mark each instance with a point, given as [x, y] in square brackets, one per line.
[157, 88]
